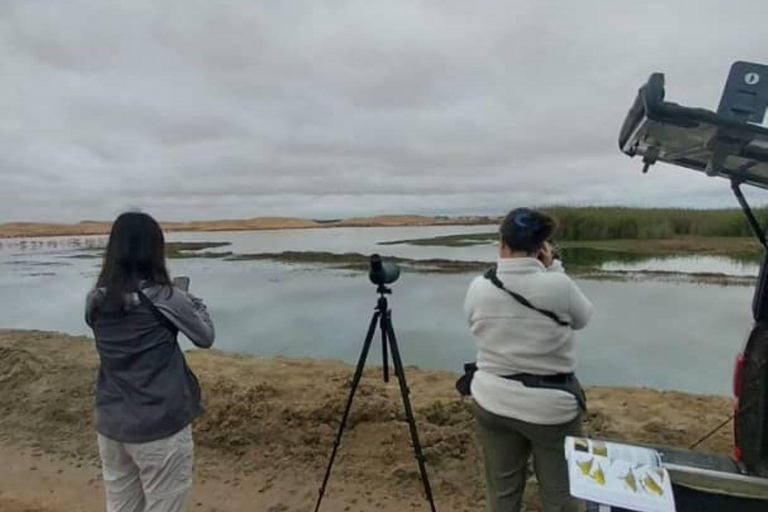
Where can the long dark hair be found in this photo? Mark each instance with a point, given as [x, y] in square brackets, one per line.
[135, 252]
[526, 230]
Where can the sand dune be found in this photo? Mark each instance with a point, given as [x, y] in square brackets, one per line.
[33, 229]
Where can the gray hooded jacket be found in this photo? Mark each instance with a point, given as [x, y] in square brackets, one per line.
[144, 389]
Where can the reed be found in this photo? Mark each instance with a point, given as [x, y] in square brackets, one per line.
[614, 223]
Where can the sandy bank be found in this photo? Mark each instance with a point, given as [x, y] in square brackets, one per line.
[264, 439]
[34, 229]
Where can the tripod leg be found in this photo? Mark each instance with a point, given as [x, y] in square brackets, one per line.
[384, 344]
[355, 382]
[404, 391]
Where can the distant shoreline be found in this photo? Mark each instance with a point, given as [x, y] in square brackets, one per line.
[576, 223]
[83, 228]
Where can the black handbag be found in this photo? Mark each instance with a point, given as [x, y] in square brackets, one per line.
[464, 383]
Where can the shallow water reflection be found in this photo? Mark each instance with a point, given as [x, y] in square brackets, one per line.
[649, 333]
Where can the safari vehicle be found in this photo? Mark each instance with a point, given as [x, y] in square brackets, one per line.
[731, 143]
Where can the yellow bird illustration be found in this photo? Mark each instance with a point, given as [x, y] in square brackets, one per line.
[598, 476]
[585, 466]
[652, 486]
[629, 479]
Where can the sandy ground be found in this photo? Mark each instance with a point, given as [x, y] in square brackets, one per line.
[33, 229]
[268, 428]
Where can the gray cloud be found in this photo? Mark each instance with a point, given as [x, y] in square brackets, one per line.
[197, 109]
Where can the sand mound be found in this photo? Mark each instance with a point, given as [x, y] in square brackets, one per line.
[276, 418]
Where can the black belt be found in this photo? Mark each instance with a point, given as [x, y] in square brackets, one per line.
[563, 381]
[533, 380]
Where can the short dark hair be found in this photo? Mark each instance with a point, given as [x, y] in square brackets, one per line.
[526, 230]
[135, 252]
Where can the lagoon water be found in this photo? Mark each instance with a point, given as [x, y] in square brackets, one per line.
[664, 334]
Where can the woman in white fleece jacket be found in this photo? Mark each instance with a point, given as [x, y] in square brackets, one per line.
[512, 339]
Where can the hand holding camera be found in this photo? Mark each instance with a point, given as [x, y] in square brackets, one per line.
[548, 253]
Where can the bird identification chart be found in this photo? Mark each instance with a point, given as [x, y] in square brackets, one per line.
[620, 475]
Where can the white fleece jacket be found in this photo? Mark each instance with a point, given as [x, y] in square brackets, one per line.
[512, 338]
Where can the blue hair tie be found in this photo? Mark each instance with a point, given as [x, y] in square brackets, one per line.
[522, 218]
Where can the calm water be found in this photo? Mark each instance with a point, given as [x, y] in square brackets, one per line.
[648, 333]
[689, 264]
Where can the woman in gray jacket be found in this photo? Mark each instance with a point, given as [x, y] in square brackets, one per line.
[146, 396]
[526, 362]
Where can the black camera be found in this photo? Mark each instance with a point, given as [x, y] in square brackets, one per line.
[383, 272]
[557, 252]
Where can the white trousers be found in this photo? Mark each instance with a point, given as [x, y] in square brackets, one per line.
[151, 477]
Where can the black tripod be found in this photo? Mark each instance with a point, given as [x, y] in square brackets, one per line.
[383, 316]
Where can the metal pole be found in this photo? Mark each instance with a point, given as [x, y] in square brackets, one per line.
[759, 233]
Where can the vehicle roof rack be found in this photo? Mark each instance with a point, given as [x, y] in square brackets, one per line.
[731, 143]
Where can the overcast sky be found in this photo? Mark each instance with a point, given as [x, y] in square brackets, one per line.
[200, 109]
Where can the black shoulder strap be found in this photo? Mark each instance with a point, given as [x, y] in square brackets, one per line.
[490, 274]
[156, 312]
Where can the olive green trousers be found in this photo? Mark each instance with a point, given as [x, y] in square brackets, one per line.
[507, 444]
